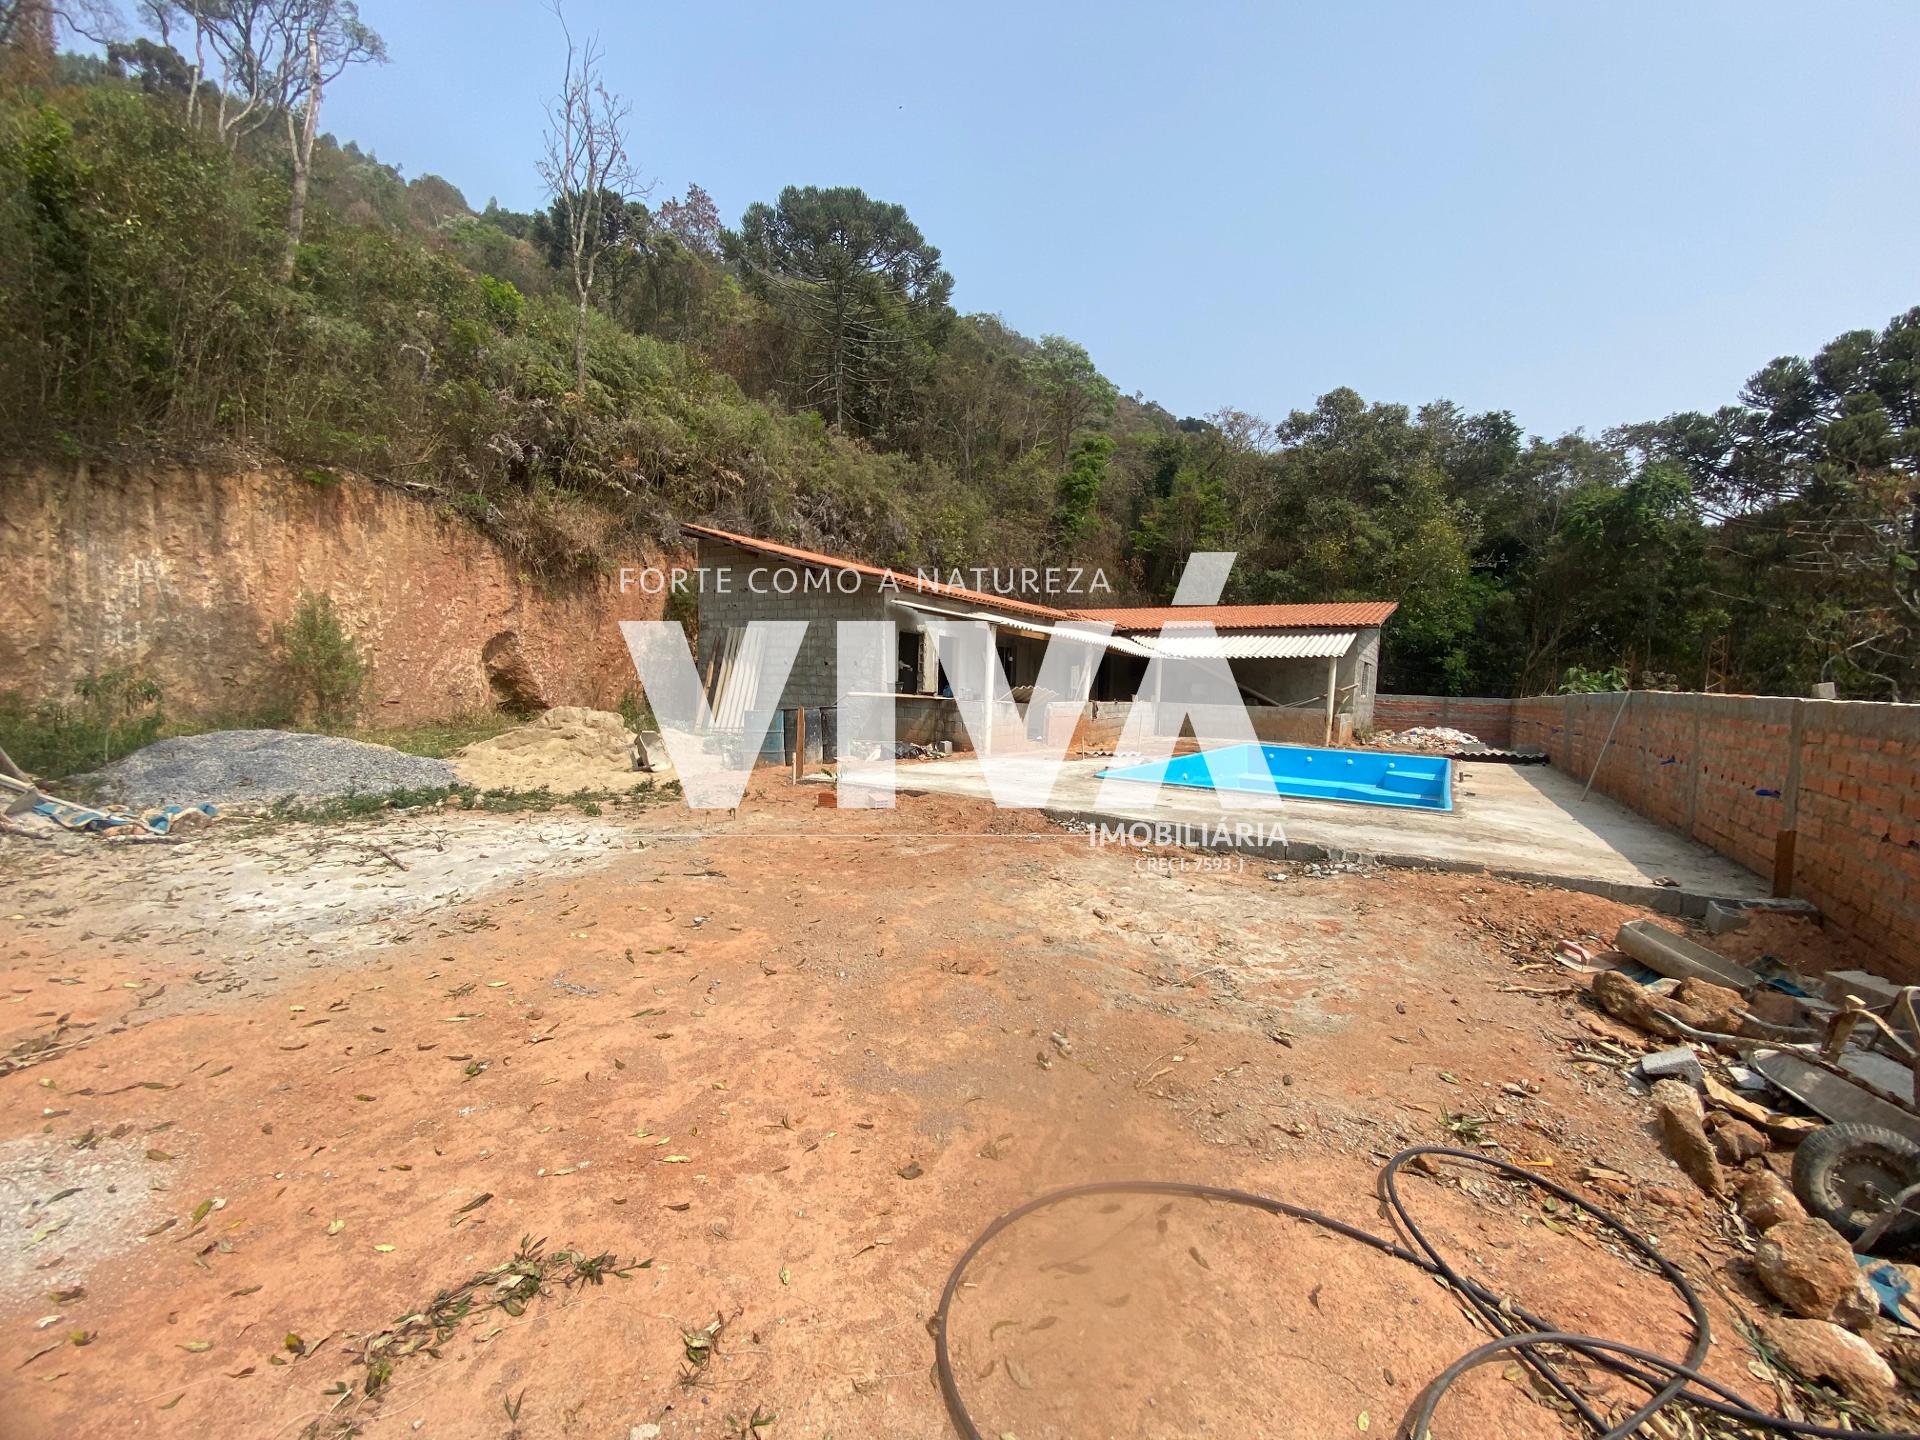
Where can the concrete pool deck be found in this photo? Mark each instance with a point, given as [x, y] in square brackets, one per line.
[1519, 822]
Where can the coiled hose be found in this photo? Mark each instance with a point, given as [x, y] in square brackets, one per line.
[1668, 1380]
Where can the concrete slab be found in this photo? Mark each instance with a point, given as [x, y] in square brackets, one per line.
[1678, 958]
[1516, 822]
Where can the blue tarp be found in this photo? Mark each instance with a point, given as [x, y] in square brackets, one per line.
[90, 821]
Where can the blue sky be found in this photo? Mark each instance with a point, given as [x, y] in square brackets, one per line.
[1586, 214]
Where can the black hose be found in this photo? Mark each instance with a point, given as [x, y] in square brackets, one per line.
[1669, 1380]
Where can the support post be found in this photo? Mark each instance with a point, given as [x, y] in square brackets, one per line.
[1785, 841]
[1695, 703]
[1595, 774]
[1333, 694]
[1158, 671]
[799, 742]
[987, 688]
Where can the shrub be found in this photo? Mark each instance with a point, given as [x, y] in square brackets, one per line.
[1578, 680]
[635, 713]
[113, 713]
[322, 661]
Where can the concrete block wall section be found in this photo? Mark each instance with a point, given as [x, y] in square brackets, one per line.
[785, 592]
[1739, 772]
[1859, 818]
[1490, 719]
[1100, 724]
[1277, 725]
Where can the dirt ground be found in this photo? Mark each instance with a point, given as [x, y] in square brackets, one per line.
[303, 1079]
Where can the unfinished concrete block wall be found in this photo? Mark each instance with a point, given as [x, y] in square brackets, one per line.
[741, 586]
[1283, 725]
[1490, 719]
[1824, 795]
[1361, 670]
[1099, 724]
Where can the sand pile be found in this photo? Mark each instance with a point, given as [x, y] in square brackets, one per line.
[570, 748]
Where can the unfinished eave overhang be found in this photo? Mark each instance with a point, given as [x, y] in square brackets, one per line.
[1252, 645]
[1081, 632]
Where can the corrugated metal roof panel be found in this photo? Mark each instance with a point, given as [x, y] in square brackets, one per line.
[1287, 645]
[1354, 613]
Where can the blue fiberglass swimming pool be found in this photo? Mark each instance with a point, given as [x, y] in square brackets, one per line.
[1361, 777]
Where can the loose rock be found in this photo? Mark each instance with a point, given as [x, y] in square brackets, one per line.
[1678, 1092]
[1735, 1141]
[1901, 1350]
[1626, 999]
[1817, 1350]
[1685, 1138]
[1766, 1201]
[1809, 1268]
[1717, 1004]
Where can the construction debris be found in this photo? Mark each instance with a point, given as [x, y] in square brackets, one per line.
[1835, 1096]
[43, 817]
[1723, 919]
[1857, 1178]
[1431, 739]
[906, 750]
[1659, 949]
[1679, 1063]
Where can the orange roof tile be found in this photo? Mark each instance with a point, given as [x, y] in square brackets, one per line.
[1338, 614]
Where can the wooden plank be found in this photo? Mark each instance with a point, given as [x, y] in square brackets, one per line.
[1783, 845]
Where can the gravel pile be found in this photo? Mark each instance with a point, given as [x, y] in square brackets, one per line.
[233, 767]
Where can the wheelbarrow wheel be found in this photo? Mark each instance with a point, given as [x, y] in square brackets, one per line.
[1848, 1174]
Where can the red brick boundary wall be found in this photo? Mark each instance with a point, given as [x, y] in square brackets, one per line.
[1491, 720]
[1822, 795]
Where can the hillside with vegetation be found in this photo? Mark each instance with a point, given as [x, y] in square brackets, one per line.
[190, 268]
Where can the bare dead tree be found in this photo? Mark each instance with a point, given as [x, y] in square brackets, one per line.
[334, 39]
[276, 58]
[162, 15]
[586, 169]
[254, 43]
[30, 29]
